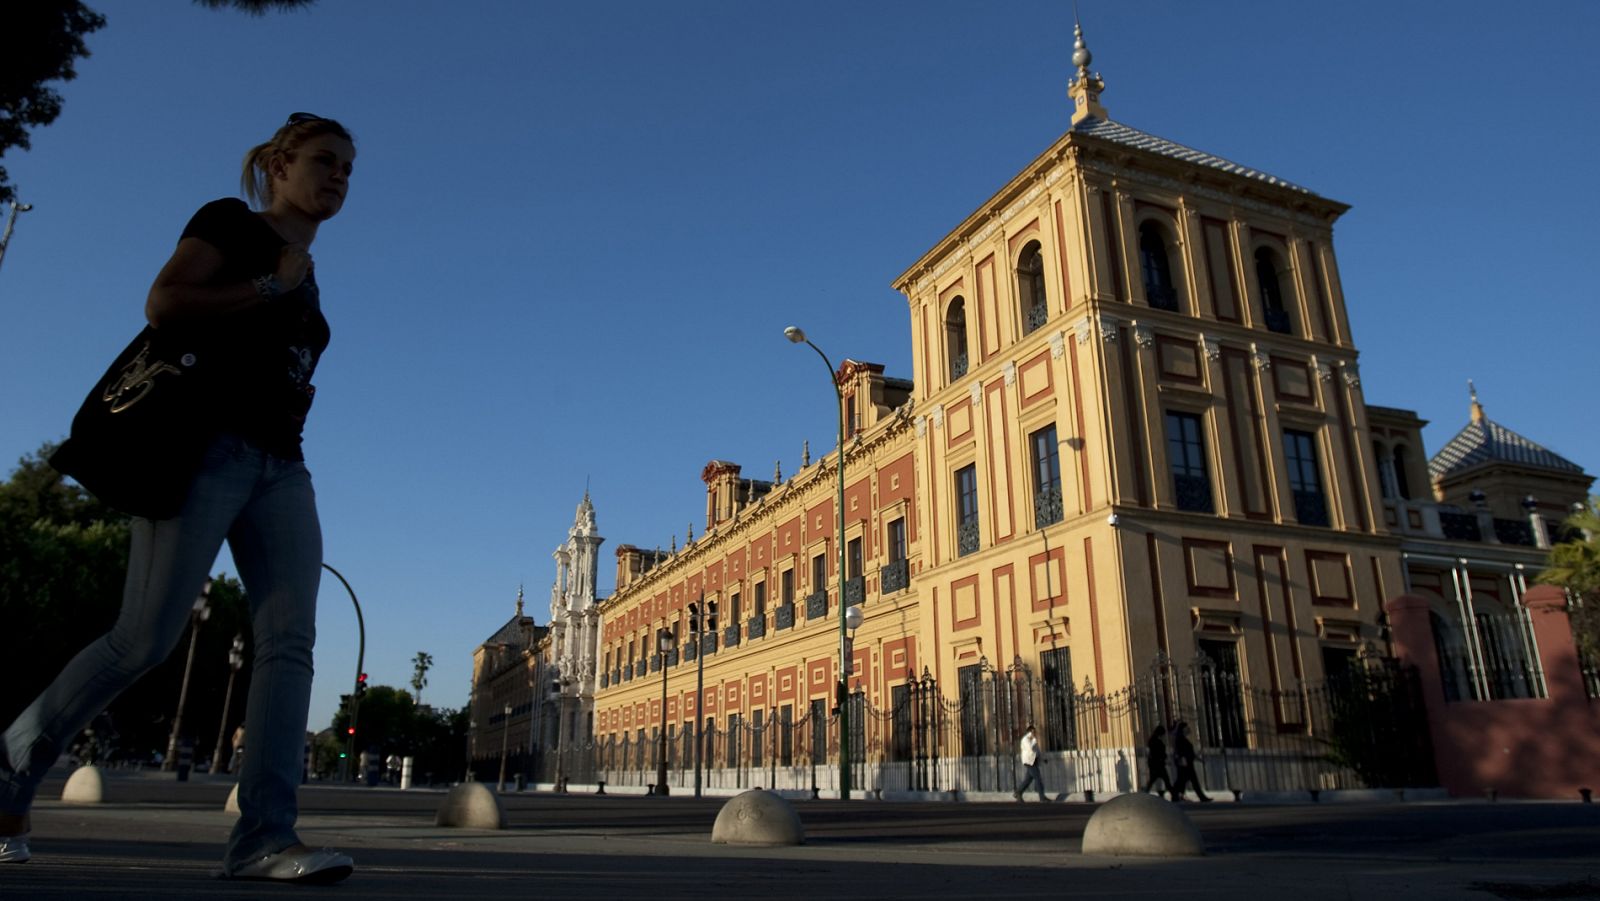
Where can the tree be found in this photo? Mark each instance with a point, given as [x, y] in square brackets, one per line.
[63, 560]
[1575, 566]
[419, 679]
[44, 41]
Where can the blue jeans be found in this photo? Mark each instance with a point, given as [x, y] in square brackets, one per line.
[264, 507]
[1031, 777]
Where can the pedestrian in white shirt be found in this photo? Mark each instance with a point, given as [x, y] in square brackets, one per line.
[1028, 752]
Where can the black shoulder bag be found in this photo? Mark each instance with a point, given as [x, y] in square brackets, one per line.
[139, 438]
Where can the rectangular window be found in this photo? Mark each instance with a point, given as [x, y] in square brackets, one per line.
[733, 743]
[786, 735]
[1046, 477]
[758, 736]
[819, 573]
[853, 555]
[761, 601]
[967, 509]
[709, 753]
[974, 718]
[1305, 477]
[788, 587]
[734, 610]
[897, 540]
[1060, 732]
[850, 416]
[900, 734]
[1186, 455]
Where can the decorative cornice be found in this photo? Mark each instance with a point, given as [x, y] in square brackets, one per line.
[1144, 335]
[1010, 370]
[1109, 326]
[1324, 371]
[1260, 358]
[1058, 345]
[938, 416]
[1352, 374]
[1212, 348]
[976, 393]
[1082, 331]
[964, 250]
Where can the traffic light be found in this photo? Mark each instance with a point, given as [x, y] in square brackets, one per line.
[361, 685]
[711, 617]
[694, 617]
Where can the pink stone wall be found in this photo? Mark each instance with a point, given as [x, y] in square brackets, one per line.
[1522, 748]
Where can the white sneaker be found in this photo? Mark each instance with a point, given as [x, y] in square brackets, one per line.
[318, 866]
[14, 849]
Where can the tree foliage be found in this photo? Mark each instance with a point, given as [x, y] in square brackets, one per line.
[419, 676]
[390, 722]
[44, 41]
[63, 558]
[1575, 566]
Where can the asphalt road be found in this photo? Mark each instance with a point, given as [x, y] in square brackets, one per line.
[157, 838]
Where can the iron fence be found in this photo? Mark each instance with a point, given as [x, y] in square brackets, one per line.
[1363, 729]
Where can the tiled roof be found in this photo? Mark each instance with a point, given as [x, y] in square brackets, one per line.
[1487, 441]
[511, 633]
[1133, 137]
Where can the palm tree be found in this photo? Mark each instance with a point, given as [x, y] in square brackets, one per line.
[255, 7]
[419, 678]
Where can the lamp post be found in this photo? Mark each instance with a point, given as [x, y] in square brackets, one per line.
[199, 613]
[700, 625]
[361, 676]
[663, 645]
[235, 661]
[11, 222]
[505, 734]
[795, 335]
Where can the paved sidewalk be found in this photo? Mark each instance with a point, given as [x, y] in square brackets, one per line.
[160, 839]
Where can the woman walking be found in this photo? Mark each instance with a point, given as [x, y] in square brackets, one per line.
[241, 284]
[1183, 757]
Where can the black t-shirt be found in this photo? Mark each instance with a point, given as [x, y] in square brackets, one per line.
[269, 351]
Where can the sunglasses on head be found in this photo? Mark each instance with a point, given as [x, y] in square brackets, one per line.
[297, 118]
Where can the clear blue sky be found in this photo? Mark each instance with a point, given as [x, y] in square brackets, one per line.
[576, 231]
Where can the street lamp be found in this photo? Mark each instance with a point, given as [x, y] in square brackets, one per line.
[235, 661]
[698, 626]
[663, 645]
[795, 335]
[199, 613]
[505, 734]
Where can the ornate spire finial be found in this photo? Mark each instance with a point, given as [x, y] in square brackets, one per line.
[519, 600]
[690, 540]
[1477, 408]
[674, 543]
[805, 453]
[1086, 87]
[777, 472]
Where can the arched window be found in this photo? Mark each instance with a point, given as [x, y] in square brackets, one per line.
[1385, 470]
[1030, 288]
[1160, 290]
[1401, 485]
[955, 337]
[1273, 308]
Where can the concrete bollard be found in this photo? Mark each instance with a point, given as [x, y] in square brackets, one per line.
[758, 817]
[85, 786]
[232, 804]
[471, 805]
[1141, 825]
[405, 771]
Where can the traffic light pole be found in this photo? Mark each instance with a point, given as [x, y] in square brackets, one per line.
[361, 656]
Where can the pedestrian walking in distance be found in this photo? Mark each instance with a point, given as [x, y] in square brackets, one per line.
[1028, 753]
[241, 288]
[1184, 757]
[1156, 758]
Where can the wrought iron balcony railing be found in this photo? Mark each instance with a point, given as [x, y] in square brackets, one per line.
[817, 604]
[1047, 507]
[855, 590]
[967, 537]
[783, 617]
[895, 576]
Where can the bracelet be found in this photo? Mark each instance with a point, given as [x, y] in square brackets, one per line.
[267, 286]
